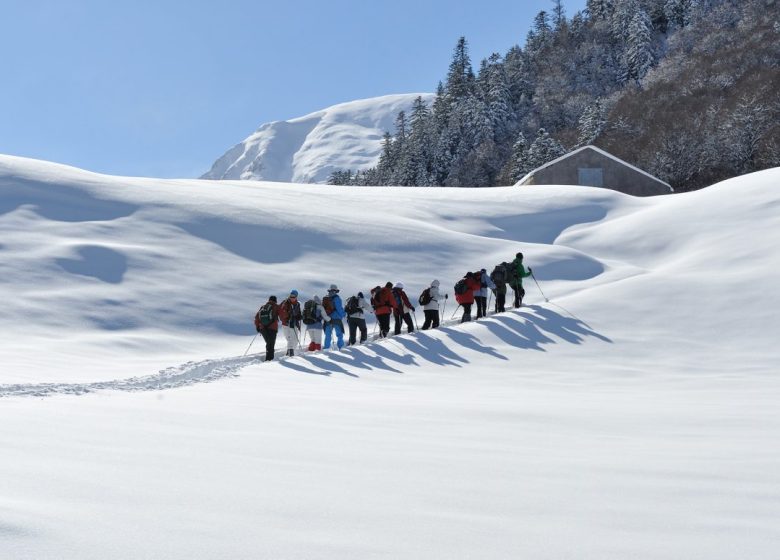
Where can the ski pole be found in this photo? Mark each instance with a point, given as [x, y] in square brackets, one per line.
[540, 289]
[454, 312]
[490, 300]
[414, 314]
[250, 346]
[444, 309]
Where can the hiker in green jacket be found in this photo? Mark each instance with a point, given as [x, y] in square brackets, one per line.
[517, 273]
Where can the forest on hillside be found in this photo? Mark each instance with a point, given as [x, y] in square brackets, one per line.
[684, 89]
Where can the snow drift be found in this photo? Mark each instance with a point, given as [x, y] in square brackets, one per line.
[633, 415]
[308, 149]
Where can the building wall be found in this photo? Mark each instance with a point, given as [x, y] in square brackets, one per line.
[615, 175]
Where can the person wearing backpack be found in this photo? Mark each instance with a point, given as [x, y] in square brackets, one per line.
[499, 277]
[481, 295]
[355, 308]
[429, 299]
[290, 316]
[313, 315]
[403, 310]
[518, 272]
[383, 303]
[464, 294]
[335, 313]
[267, 324]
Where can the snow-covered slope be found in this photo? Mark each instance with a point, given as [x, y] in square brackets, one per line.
[634, 415]
[308, 149]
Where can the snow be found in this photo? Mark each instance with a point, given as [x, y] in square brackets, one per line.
[635, 414]
[308, 149]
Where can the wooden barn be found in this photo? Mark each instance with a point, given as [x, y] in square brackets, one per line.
[590, 166]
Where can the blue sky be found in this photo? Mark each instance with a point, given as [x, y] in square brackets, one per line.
[162, 88]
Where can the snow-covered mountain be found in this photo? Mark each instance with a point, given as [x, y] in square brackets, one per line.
[308, 149]
[630, 410]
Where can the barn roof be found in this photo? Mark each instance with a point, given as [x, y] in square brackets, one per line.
[597, 150]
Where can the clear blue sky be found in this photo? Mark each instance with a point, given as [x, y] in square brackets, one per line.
[162, 88]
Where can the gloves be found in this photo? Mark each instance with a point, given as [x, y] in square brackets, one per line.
[530, 271]
[446, 296]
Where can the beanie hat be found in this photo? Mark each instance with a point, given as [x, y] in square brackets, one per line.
[294, 293]
[399, 285]
[317, 299]
[519, 256]
[272, 298]
[435, 283]
[389, 285]
[360, 295]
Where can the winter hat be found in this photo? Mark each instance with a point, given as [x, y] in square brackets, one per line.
[272, 298]
[360, 295]
[389, 285]
[294, 293]
[435, 284]
[333, 288]
[483, 270]
[317, 299]
[399, 285]
[519, 256]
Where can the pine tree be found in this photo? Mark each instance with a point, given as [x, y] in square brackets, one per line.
[591, 123]
[543, 150]
[640, 46]
[519, 158]
[460, 78]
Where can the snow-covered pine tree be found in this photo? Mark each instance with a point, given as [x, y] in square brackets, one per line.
[543, 149]
[640, 53]
[591, 123]
[519, 159]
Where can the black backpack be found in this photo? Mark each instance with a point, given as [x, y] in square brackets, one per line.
[460, 286]
[310, 312]
[499, 274]
[266, 314]
[352, 305]
[425, 297]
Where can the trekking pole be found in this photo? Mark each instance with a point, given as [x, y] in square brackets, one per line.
[250, 346]
[414, 314]
[540, 289]
[490, 300]
[454, 312]
[444, 309]
[297, 338]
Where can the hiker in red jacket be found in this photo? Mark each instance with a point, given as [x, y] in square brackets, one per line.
[466, 298]
[384, 304]
[403, 309]
[267, 324]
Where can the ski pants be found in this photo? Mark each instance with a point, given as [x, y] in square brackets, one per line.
[291, 335]
[431, 319]
[384, 324]
[330, 326]
[519, 295]
[481, 302]
[466, 312]
[269, 335]
[500, 302]
[315, 335]
[356, 323]
[406, 318]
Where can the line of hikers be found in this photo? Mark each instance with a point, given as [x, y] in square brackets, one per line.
[327, 314]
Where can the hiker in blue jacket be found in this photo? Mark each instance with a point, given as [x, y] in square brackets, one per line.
[335, 311]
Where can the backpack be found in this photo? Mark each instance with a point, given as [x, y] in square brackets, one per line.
[460, 286]
[352, 306]
[265, 316]
[499, 274]
[425, 297]
[399, 302]
[327, 303]
[375, 297]
[310, 312]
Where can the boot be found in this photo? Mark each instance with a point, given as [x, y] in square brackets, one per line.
[318, 346]
[291, 352]
[312, 347]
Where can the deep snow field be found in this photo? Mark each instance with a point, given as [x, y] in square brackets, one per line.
[634, 415]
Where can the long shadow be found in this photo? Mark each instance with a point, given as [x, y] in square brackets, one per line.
[381, 350]
[569, 329]
[327, 365]
[291, 364]
[516, 333]
[432, 349]
[356, 358]
[470, 341]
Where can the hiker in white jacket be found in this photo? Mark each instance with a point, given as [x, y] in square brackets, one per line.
[481, 295]
[431, 309]
[357, 319]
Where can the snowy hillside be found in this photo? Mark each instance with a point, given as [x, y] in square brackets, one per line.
[635, 414]
[308, 149]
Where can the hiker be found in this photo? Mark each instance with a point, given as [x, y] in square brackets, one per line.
[313, 315]
[403, 309]
[429, 299]
[499, 277]
[334, 310]
[267, 324]
[464, 294]
[290, 316]
[356, 307]
[383, 303]
[481, 294]
[518, 272]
